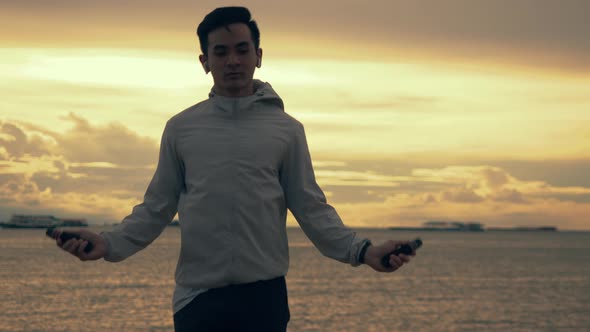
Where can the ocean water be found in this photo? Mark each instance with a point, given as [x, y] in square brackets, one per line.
[490, 281]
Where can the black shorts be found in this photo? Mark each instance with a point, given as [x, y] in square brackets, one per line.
[260, 306]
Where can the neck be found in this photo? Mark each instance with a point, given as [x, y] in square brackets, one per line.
[245, 91]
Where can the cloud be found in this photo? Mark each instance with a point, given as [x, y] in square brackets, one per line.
[576, 198]
[355, 194]
[337, 97]
[84, 172]
[484, 193]
[559, 173]
[16, 189]
[509, 195]
[359, 179]
[542, 32]
[113, 143]
[394, 104]
[96, 172]
[461, 196]
[412, 210]
[120, 182]
[16, 143]
[495, 178]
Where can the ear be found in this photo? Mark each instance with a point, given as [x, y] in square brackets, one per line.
[204, 63]
[259, 55]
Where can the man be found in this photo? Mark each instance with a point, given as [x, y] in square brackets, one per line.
[231, 166]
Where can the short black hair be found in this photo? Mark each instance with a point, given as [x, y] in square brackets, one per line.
[222, 17]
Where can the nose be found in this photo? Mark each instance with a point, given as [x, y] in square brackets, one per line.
[233, 60]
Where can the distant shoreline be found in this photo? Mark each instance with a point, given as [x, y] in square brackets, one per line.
[492, 229]
[360, 228]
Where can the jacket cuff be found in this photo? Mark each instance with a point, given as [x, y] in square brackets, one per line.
[107, 256]
[355, 250]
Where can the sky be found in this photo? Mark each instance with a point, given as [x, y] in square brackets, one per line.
[457, 110]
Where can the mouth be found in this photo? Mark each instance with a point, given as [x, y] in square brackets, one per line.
[233, 75]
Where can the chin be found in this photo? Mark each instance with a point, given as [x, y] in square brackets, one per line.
[236, 84]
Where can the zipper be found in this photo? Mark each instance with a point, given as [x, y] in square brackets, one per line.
[235, 142]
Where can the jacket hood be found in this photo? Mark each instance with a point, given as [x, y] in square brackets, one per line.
[263, 94]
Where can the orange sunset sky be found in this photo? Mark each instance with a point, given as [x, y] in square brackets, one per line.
[469, 110]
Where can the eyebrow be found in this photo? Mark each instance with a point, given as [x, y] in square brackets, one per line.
[238, 45]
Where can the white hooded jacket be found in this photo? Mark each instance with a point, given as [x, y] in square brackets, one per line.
[232, 167]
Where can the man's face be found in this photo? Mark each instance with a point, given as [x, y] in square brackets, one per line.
[232, 58]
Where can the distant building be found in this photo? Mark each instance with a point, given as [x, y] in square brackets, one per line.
[456, 226]
[525, 229]
[41, 221]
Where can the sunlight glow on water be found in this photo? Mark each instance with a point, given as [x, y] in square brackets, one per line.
[492, 281]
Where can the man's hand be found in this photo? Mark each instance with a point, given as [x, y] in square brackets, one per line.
[76, 247]
[375, 253]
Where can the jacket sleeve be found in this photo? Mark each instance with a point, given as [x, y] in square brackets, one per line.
[318, 219]
[148, 219]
